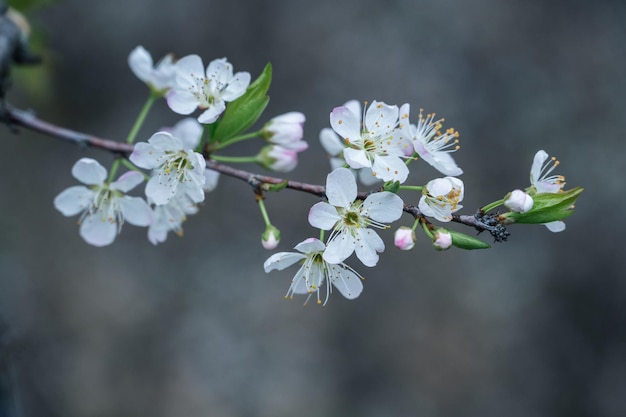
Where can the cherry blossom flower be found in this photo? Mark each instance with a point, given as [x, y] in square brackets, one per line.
[543, 182]
[350, 220]
[173, 166]
[159, 78]
[208, 89]
[441, 197]
[104, 206]
[433, 145]
[314, 272]
[286, 131]
[169, 217]
[377, 142]
[518, 201]
[334, 146]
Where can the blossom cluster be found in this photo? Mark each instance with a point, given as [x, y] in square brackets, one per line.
[375, 144]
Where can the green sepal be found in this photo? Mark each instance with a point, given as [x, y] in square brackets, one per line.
[274, 187]
[464, 241]
[242, 113]
[392, 186]
[547, 207]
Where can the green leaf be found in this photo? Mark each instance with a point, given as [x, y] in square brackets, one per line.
[541, 216]
[242, 113]
[464, 241]
[547, 208]
[392, 186]
[553, 201]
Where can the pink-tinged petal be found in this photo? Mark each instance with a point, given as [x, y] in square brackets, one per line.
[212, 113]
[323, 216]
[538, 161]
[210, 180]
[310, 245]
[390, 168]
[346, 124]
[182, 101]
[127, 181]
[161, 188]
[189, 131]
[341, 187]
[293, 117]
[73, 200]
[555, 226]
[140, 63]
[188, 69]
[339, 248]
[356, 158]
[331, 142]
[145, 156]
[89, 171]
[380, 118]
[98, 231]
[236, 86]
[136, 211]
[345, 281]
[282, 260]
[355, 107]
[383, 207]
[367, 247]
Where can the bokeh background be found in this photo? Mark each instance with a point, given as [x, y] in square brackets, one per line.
[194, 327]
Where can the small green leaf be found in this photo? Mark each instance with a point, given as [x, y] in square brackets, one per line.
[561, 200]
[540, 216]
[547, 207]
[392, 186]
[464, 241]
[242, 113]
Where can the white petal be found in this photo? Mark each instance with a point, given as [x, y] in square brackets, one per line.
[331, 142]
[188, 68]
[383, 207]
[368, 244]
[444, 163]
[339, 248]
[140, 63]
[161, 188]
[73, 200]
[346, 124]
[390, 168]
[538, 161]
[237, 86]
[189, 131]
[439, 187]
[98, 231]
[157, 235]
[210, 180]
[424, 208]
[212, 113]
[380, 118]
[89, 171]
[355, 107]
[555, 226]
[136, 211]
[323, 216]
[127, 181]
[165, 141]
[146, 156]
[367, 178]
[299, 284]
[310, 245]
[282, 260]
[341, 188]
[182, 101]
[346, 281]
[356, 158]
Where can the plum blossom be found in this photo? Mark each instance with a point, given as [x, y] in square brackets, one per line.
[159, 77]
[208, 89]
[377, 142]
[169, 217]
[441, 197]
[518, 201]
[433, 145]
[543, 182]
[174, 166]
[314, 272]
[350, 220]
[104, 206]
[334, 146]
[286, 131]
[404, 238]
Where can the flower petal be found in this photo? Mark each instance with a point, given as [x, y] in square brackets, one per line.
[310, 245]
[73, 200]
[237, 85]
[390, 168]
[161, 188]
[323, 216]
[210, 180]
[127, 181]
[182, 101]
[538, 161]
[356, 158]
[98, 231]
[346, 123]
[385, 207]
[341, 188]
[282, 260]
[188, 69]
[555, 226]
[145, 156]
[135, 210]
[89, 171]
[368, 246]
[212, 113]
[189, 131]
[346, 281]
[140, 63]
[330, 141]
[380, 118]
[339, 248]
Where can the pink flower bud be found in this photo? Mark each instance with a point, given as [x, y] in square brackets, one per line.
[404, 238]
[518, 201]
[277, 158]
[286, 131]
[442, 239]
[270, 237]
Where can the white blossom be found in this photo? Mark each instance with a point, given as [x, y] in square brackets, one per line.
[441, 197]
[350, 220]
[518, 201]
[169, 217]
[543, 182]
[159, 77]
[286, 131]
[104, 206]
[314, 272]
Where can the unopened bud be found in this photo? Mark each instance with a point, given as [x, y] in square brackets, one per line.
[270, 237]
[518, 201]
[404, 238]
[277, 158]
[442, 240]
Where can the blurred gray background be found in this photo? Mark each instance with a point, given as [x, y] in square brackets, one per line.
[194, 327]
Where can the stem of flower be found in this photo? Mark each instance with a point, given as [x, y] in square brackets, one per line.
[427, 229]
[142, 116]
[411, 187]
[235, 159]
[491, 206]
[266, 218]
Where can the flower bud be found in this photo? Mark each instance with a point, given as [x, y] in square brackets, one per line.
[404, 238]
[442, 239]
[277, 158]
[270, 237]
[518, 201]
[286, 131]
